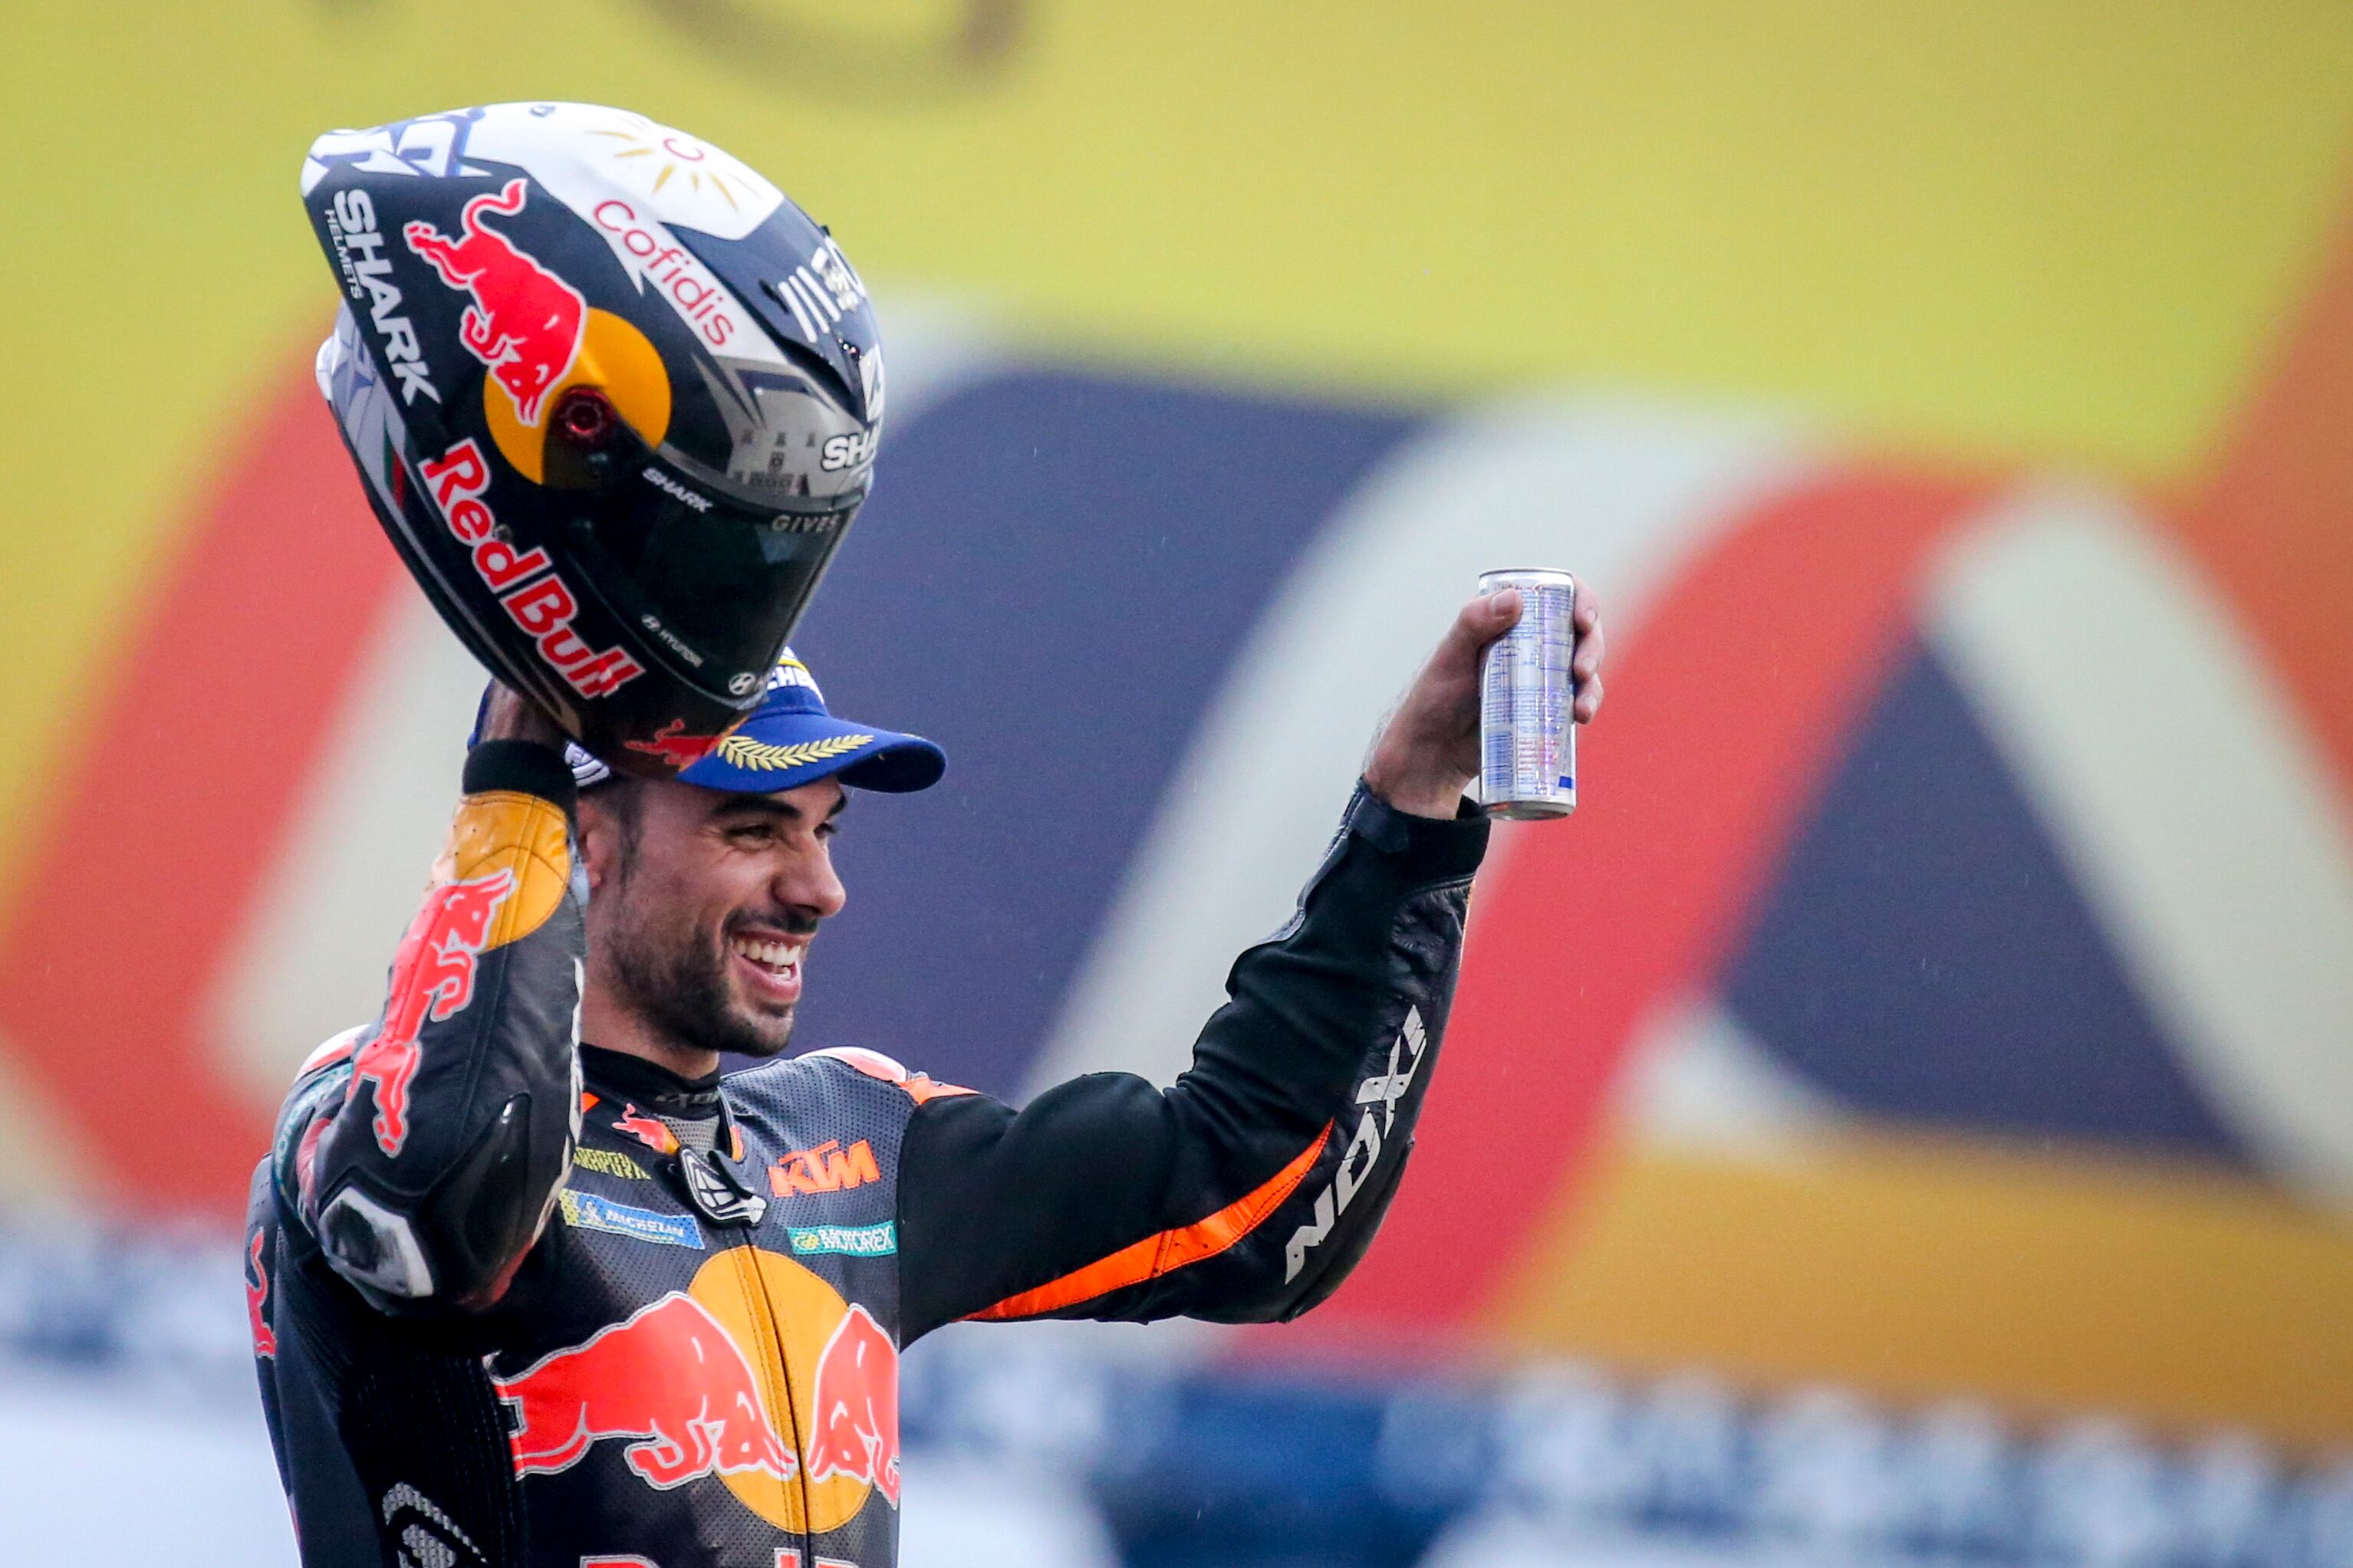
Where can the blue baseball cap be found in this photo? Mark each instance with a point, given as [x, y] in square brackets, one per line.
[790, 741]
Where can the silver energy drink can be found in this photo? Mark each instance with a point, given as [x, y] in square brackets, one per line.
[1528, 732]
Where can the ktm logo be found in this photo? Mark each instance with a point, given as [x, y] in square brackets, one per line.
[827, 1168]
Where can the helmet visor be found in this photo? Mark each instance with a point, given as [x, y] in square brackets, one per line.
[716, 586]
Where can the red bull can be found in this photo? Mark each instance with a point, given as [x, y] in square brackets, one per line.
[1527, 729]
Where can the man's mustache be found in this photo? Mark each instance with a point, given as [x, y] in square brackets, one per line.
[794, 923]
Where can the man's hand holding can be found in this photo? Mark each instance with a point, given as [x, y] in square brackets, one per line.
[1429, 749]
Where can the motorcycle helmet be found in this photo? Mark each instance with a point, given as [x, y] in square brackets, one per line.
[613, 396]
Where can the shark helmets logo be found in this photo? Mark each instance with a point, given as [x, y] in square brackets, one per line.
[359, 245]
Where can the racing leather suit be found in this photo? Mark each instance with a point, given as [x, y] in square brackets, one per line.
[503, 1313]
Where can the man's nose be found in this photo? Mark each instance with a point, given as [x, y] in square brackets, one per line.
[811, 884]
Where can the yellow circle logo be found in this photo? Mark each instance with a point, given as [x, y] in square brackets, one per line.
[614, 358]
[827, 1376]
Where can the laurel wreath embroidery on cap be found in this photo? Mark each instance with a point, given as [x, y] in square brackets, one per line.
[746, 752]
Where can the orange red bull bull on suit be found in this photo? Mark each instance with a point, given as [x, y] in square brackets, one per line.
[672, 1381]
[432, 976]
[668, 1377]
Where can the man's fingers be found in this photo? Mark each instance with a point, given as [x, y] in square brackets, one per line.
[1586, 666]
[1487, 617]
[509, 715]
[1588, 662]
[1476, 624]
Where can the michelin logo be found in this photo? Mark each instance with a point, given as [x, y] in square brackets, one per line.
[585, 1211]
[1378, 1095]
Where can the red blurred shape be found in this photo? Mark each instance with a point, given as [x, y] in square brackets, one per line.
[176, 788]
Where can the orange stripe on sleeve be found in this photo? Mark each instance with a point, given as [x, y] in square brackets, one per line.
[1170, 1249]
[922, 1086]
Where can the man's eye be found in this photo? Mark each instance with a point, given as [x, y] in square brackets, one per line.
[828, 829]
[753, 836]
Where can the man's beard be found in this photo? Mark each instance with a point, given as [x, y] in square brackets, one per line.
[680, 986]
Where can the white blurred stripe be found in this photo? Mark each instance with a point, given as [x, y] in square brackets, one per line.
[1696, 1080]
[1620, 495]
[964, 1513]
[95, 1474]
[933, 347]
[354, 859]
[2193, 810]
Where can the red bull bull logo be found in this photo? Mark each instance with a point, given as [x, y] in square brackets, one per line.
[432, 980]
[256, 1294]
[669, 1379]
[652, 1132]
[698, 1385]
[854, 1432]
[679, 751]
[525, 322]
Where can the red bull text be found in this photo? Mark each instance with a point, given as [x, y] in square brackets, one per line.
[535, 597]
[525, 322]
[432, 978]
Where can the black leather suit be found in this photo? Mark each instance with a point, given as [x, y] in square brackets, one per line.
[503, 1313]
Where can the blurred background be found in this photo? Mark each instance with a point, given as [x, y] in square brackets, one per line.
[1905, 1117]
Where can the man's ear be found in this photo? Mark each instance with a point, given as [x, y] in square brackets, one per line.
[600, 839]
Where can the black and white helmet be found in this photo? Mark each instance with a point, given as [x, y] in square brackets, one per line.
[615, 398]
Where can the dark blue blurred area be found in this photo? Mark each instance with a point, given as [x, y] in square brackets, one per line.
[1924, 946]
[1146, 522]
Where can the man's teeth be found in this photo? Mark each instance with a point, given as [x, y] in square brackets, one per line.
[784, 957]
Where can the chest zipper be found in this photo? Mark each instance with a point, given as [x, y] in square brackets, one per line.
[715, 1187]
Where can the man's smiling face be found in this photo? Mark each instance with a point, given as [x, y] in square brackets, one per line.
[704, 903]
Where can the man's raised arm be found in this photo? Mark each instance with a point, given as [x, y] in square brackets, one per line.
[420, 1153]
[1247, 1189]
